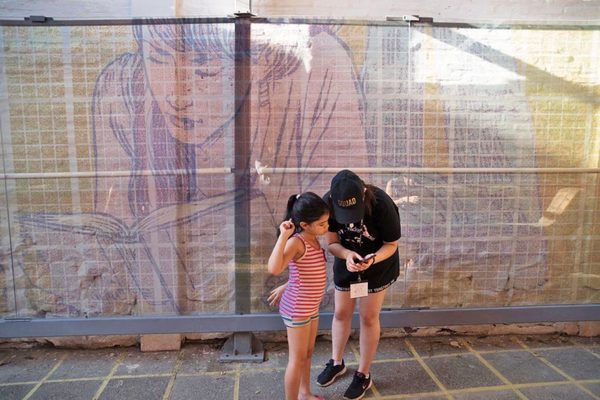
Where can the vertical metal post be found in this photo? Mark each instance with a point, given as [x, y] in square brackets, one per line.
[5, 135]
[242, 346]
[242, 163]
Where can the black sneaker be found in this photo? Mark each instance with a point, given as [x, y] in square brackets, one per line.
[330, 373]
[360, 384]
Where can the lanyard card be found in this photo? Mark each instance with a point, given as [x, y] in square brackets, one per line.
[359, 289]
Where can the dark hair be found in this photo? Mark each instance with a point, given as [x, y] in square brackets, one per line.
[306, 207]
[369, 198]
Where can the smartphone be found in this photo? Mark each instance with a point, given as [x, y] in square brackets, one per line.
[367, 258]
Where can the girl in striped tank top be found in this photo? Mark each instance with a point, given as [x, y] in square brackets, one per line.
[297, 248]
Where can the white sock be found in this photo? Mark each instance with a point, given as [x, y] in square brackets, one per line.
[336, 362]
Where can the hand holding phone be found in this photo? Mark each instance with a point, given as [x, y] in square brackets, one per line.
[367, 258]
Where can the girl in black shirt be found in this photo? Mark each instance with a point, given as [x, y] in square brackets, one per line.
[364, 229]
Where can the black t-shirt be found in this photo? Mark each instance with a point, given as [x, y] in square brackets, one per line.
[365, 237]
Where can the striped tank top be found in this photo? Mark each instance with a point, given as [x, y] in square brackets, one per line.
[306, 283]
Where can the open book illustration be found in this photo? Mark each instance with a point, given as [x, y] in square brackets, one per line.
[130, 240]
[108, 226]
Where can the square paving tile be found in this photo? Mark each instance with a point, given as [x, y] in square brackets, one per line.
[594, 388]
[593, 341]
[262, 385]
[429, 346]
[203, 387]
[14, 392]
[392, 348]
[402, 377]
[139, 363]
[537, 341]
[488, 395]
[491, 343]
[269, 384]
[28, 365]
[577, 363]
[556, 392]
[135, 388]
[522, 367]
[277, 356]
[203, 358]
[80, 390]
[86, 363]
[462, 371]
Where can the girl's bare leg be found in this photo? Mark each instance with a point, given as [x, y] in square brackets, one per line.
[305, 392]
[370, 329]
[298, 339]
[342, 322]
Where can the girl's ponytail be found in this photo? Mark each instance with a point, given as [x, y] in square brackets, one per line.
[306, 207]
[289, 211]
[290, 206]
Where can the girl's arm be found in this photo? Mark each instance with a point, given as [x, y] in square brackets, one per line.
[285, 249]
[336, 248]
[276, 294]
[386, 251]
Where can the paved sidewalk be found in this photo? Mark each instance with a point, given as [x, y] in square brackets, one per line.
[461, 368]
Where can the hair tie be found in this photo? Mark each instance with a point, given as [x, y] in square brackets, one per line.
[298, 196]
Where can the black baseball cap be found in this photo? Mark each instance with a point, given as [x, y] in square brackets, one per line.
[347, 197]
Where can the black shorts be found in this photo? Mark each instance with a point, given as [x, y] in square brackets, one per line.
[379, 276]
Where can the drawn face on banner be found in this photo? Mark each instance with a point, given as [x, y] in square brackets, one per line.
[190, 74]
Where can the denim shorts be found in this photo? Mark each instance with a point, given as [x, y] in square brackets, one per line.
[298, 322]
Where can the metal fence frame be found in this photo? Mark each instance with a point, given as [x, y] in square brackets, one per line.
[242, 320]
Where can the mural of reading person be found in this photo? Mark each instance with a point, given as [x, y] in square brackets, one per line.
[159, 237]
[164, 113]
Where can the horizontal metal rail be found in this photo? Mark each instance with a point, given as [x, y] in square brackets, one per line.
[226, 323]
[312, 170]
[419, 170]
[48, 20]
[392, 21]
[110, 174]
